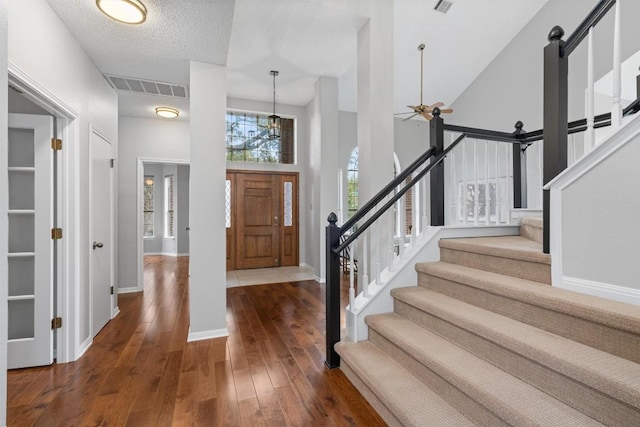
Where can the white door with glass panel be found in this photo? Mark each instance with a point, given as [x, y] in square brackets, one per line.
[30, 255]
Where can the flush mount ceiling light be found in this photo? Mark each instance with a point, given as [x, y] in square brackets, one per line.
[167, 112]
[273, 121]
[126, 11]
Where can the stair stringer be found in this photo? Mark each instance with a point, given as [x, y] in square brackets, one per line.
[403, 273]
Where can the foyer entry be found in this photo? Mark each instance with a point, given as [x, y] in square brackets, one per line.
[261, 219]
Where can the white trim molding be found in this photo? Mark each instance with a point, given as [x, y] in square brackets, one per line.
[207, 335]
[564, 180]
[129, 290]
[603, 290]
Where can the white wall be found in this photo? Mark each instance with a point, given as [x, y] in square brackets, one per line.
[600, 227]
[510, 88]
[37, 38]
[4, 226]
[207, 283]
[148, 139]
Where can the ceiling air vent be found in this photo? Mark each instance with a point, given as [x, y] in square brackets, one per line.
[130, 84]
[443, 6]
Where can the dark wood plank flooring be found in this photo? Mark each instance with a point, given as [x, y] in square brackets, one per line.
[140, 371]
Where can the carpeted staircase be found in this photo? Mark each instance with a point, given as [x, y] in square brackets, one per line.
[484, 340]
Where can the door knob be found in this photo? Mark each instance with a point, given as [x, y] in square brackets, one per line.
[97, 245]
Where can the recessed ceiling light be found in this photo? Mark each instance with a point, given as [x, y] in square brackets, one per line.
[167, 112]
[126, 11]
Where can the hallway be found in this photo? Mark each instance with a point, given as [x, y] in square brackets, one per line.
[140, 371]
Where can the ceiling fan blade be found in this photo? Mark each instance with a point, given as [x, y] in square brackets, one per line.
[410, 117]
[427, 115]
[447, 110]
[437, 104]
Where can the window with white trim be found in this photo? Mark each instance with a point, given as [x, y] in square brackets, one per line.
[148, 206]
[169, 206]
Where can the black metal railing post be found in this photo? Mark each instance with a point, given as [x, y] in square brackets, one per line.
[555, 119]
[519, 170]
[436, 138]
[332, 317]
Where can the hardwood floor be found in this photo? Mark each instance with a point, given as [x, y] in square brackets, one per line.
[140, 371]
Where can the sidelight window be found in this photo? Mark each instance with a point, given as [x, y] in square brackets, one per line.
[148, 206]
[169, 213]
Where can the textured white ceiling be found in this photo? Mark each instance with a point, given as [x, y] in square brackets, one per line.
[303, 39]
[174, 33]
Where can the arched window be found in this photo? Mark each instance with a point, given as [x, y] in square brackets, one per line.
[352, 183]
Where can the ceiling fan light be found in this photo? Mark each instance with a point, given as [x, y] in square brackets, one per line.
[167, 112]
[125, 11]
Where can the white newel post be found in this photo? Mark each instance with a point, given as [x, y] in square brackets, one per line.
[590, 135]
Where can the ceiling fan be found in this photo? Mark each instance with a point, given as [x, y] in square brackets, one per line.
[424, 110]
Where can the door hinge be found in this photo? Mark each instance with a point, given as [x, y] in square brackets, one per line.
[56, 144]
[112, 290]
[56, 233]
[56, 323]
[111, 162]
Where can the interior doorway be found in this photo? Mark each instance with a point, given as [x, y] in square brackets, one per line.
[162, 210]
[262, 219]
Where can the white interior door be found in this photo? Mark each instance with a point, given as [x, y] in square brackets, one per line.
[30, 256]
[102, 250]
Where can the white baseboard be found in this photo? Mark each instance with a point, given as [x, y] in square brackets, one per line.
[603, 290]
[130, 290]
[207, 335]
[184, 254]
[115, 312]
[161, 253]
[319, 279]
[83, 348]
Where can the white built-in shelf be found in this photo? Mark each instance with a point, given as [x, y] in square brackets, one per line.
[21, 298]
[20, 254]
[21, 211]
[21, 169]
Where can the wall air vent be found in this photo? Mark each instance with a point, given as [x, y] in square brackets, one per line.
[130, 84]
[443, 6]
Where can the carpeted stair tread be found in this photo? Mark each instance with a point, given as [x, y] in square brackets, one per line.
[615, 314]
[410, 400]
[511, 399]
[532, 221]
[511, 247]
[602, 371]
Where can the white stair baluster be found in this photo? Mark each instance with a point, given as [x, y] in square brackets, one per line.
[476, 186]
[616, 109]
[352, 290]
[498, 195]
[365, 264]
[590, 134]
[465, 198]
[487, 185]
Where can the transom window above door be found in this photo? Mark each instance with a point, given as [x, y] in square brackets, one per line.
[248, 139]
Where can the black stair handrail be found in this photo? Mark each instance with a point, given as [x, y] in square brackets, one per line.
[598, 12]
[364, 210]
[414, 180]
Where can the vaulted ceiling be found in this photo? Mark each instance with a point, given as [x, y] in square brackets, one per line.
[303, 39]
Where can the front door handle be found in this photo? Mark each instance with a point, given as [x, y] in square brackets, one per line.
[97, 245]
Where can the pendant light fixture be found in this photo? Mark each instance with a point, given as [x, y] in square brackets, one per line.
[273, 122]
[125, 11]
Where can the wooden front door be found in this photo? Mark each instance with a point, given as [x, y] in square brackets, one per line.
[262, 224]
